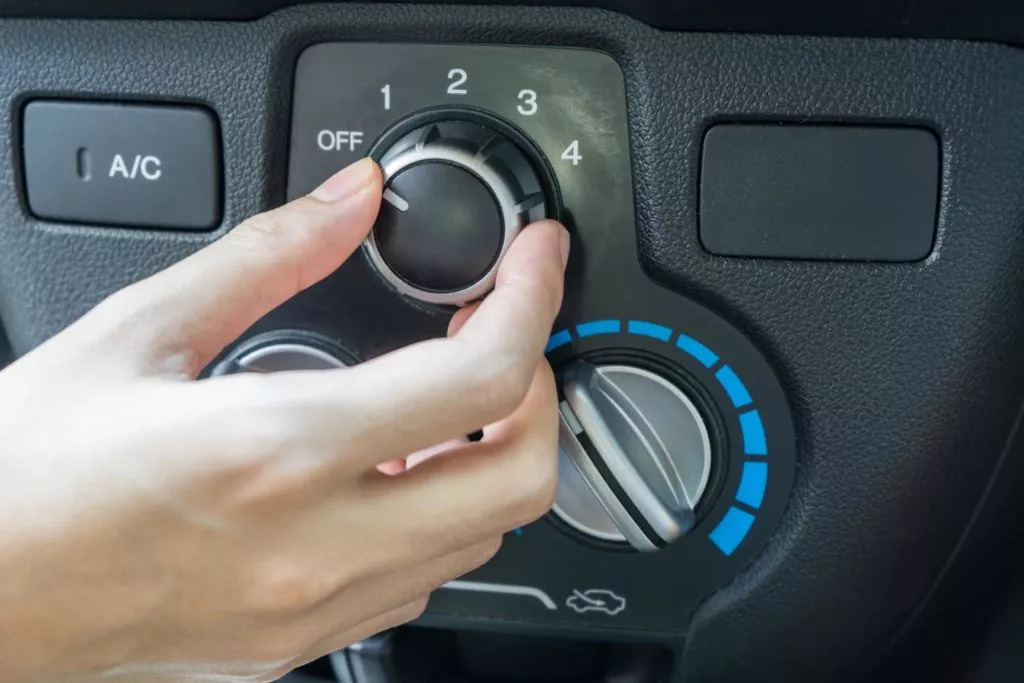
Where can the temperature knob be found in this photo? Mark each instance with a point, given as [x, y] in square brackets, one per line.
[458, 188]
[635, 456]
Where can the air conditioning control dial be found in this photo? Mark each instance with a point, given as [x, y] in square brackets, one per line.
[459, 186]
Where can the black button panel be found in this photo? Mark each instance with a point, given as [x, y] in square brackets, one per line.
[828, 192]
[121, 164]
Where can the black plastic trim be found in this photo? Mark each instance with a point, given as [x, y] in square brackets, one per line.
[991, 20]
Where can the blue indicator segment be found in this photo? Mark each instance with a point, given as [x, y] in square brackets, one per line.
[557, 340]
[753, 483]
[733, 386]
[598, 327]
[645, 329]
[703, 354]
[754, 441]
[731, 531]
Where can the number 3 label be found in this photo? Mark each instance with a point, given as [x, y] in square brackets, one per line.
[527, 102]
[572, 153]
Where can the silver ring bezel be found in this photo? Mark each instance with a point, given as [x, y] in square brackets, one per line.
[249, 358]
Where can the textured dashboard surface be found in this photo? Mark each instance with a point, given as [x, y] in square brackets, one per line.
[996, 20]
[904, 378]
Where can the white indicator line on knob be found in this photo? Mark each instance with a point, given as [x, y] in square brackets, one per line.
[503, 589]
[394, 200]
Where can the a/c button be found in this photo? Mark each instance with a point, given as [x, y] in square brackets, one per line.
[129, 165]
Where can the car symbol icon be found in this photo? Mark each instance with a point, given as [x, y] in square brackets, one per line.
[596, 600]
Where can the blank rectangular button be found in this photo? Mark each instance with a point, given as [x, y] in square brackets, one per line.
[137, 165]
[830, 192]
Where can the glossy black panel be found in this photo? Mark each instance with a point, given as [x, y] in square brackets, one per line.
[826, 192]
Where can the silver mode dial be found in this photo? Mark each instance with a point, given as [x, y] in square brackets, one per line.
[635, 456]
[280, 352]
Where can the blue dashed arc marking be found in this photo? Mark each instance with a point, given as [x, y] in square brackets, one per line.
[597, 327]
[703, 354]
[731, 531]
[734, 527]
[558, 340]
[733, 386]
[645, 329]
[754, 441]
[753, 483]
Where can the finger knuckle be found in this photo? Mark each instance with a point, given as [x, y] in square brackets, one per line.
[266, 235]
[256, 444]
[284, 588]
[123, 302]
[280, 648]
[501, 384]
[535, 473]
[261, 227]
[122, 308]
[267, 441]
[413, 611]
[484, 553]
[551, 283]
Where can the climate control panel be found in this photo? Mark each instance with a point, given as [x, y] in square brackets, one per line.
[677, 449]
[505, 134]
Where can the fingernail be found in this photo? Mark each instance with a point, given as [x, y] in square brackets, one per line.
[346, 182]
[564, 246]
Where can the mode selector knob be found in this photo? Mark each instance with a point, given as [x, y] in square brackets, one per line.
[635, 455]
[458, 188]
[282, 351]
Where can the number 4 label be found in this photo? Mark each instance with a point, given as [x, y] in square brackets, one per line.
[572, 153]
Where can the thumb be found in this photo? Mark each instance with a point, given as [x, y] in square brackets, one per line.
[206, 301]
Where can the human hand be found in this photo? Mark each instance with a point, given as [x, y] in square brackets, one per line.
[160, 529]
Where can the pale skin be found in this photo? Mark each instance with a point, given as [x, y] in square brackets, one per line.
[157, 528]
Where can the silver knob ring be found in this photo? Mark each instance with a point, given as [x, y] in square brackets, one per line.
[511, 218]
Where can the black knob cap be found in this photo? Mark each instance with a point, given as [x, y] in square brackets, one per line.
[448, 231]
[459, 186]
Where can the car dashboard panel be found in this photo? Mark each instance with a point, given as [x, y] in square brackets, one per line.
[789, 353]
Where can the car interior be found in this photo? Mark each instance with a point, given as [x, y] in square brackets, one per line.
[790, 358]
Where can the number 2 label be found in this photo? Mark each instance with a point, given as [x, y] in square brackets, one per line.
[458, 78]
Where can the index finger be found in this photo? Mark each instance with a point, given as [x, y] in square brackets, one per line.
[437, 390]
